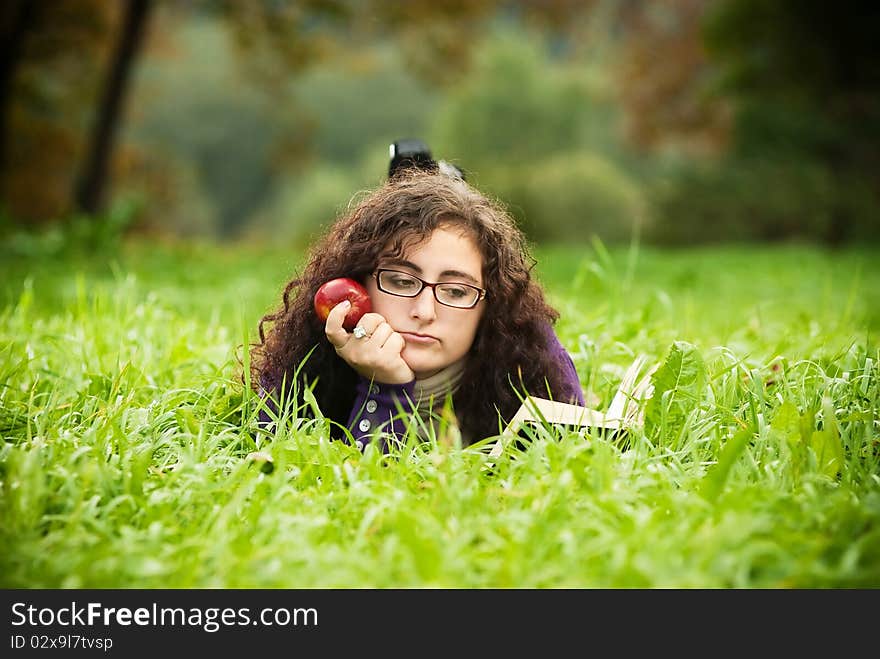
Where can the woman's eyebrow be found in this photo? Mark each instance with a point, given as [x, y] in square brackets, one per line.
[417, 269]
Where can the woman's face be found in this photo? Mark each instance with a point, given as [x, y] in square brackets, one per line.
[436, 335]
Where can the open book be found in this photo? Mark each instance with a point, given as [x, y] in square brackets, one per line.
[624, 412]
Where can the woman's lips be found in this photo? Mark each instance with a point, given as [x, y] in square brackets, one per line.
[418, 339]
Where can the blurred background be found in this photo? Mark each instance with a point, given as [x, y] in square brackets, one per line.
[675, 121]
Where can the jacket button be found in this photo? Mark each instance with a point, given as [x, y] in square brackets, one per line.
[371, 406]
[374, 389]
[364, 425]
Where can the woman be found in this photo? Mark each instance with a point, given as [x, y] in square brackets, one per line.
[455, 313]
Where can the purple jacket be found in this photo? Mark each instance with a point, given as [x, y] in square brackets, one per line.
[377, 406]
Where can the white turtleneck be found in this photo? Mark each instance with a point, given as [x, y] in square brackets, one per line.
[435, 388]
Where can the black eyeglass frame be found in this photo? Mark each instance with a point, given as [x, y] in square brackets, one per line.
[424, 284]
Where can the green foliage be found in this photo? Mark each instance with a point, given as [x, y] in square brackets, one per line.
[786, 131]
[354, 113]
[538, 133]
[679, 386]
[356, 107]
[716, 476]
[224, 133]
[821, 446]
[513, 109]
[78, 235]
[570, 197]
[302, 209]
[759, 199]
[804, 85]
[794, 48]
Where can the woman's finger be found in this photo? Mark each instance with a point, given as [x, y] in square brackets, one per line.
[333, 328]
[394, 343]
[370, 322]
[380, 334]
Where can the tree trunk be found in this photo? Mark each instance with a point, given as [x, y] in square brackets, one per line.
[89, 194]
[17, 19]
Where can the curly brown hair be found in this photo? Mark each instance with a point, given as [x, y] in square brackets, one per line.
[508, 356]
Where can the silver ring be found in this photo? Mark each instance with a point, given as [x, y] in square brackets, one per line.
[359, 332]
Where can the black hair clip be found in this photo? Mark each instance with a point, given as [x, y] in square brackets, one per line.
[412, 153]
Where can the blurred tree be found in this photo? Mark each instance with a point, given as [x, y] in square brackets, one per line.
[357, 105]
[514, 108]
[90, 189]
[435, 37]
[16, 19]
[781, 93]
[52, 54]
[195, 110]
[325, 115]
[666, 78]
[537, 130]
[806, 78]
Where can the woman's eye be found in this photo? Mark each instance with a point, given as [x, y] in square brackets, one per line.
[455, 291]
[403, 282]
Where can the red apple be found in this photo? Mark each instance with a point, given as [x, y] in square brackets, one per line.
[335, 291]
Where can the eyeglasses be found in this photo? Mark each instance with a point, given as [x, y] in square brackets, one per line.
[450, 294]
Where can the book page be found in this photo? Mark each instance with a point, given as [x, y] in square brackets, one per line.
[623, 412]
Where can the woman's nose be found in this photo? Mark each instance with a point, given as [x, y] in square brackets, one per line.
[424, 305]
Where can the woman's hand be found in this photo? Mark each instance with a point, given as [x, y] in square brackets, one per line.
[376, 356]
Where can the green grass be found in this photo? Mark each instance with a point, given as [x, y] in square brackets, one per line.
[125, 434]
